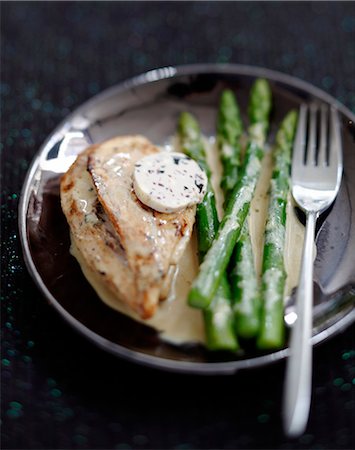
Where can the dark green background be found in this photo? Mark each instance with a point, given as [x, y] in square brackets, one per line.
[58, 390]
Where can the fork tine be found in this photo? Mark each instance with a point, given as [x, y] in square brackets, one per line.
[322, 147]
[312, 136]
[335, 154]
[298, 156]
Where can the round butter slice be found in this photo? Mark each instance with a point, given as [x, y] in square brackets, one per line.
[169, 182]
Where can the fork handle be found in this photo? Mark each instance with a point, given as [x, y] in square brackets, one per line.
[298, 381]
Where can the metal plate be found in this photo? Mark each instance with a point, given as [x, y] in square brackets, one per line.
[150, 105]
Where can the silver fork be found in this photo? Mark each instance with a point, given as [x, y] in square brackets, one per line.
[315, 178]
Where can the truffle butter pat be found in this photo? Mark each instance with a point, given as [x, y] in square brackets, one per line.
[169, 182]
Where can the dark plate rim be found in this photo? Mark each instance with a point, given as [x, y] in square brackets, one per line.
[211, 368]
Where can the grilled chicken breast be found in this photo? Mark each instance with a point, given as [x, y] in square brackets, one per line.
[132, 248]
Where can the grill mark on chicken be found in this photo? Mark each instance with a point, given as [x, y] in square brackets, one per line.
[68, 186]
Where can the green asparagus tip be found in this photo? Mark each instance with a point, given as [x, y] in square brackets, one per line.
[262, 88]
[188, 125]
[260, 101]
[287, 129]
[229, 124]
[228, 98]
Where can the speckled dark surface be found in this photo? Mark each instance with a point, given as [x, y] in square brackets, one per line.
[58, 390]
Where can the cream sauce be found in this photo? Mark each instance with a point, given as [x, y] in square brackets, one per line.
[294, 233]
[258, 211]
[294, 238]
[177, 322]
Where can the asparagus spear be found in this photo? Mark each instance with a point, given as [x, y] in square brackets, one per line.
[244, 284]
[206, 216]
[245, 287]
[273, 271]
[217, 258]
[219, 315]
[229, 131]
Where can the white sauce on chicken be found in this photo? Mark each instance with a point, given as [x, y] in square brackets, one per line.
[177, 322]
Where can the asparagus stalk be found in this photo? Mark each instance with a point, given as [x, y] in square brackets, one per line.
[244, 284]
[245, 287]
[219, 315]
[218, 256]
[273, 272]
[206, 215]
[229, 131]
